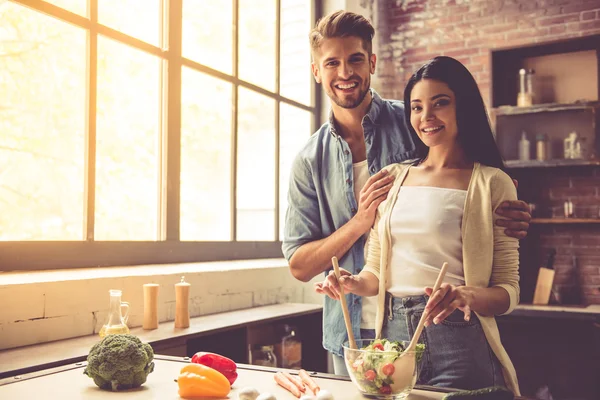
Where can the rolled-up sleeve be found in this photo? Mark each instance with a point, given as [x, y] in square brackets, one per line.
[302, 218]
[505, 268]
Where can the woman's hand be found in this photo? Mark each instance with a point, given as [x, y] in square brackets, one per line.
[447, 299]
[331, 286]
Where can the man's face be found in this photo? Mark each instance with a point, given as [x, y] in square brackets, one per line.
[344, 68]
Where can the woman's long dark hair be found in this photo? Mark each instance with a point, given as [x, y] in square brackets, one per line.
[474, 131]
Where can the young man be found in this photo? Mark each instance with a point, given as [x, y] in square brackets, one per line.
[336, 183]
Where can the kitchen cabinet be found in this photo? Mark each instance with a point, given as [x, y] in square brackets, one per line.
[557, 349]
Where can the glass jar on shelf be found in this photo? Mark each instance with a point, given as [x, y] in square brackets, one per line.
[263, 356]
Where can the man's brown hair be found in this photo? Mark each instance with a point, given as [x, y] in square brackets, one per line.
[342, 24]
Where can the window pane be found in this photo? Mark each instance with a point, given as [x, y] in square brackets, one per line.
[296, 79]
[42, 126]
[127, 143]
[257, 42]
[208, 33]
[255, 167]
[137, 18]
[206, 104]
[76, 6]
[295, 129]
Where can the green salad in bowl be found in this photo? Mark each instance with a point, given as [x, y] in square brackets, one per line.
[374, 370]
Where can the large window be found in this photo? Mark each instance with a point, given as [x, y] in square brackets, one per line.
[150, 131]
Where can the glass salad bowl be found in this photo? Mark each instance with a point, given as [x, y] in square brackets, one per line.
[377, 370]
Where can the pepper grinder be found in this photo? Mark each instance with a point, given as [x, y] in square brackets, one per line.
[182, 299]
[150, 306]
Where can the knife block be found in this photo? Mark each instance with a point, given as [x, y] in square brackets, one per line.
[543, 286]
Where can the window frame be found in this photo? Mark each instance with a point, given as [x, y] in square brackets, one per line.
[41, 255]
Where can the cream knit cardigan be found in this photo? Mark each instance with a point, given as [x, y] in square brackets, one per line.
[490, 258]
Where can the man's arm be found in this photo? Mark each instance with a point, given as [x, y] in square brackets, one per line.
[314, 257]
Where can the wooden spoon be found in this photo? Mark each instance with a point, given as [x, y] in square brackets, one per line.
[406, 363]
[336, 269]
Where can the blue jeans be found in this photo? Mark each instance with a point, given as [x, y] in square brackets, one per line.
[339, 365]
[457, 353]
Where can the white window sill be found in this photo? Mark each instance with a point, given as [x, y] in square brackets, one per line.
[74, 274]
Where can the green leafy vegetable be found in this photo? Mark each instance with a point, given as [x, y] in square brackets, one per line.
[120, 362]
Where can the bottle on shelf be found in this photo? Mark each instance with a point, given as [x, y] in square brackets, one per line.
[541, 147]
[524, 148]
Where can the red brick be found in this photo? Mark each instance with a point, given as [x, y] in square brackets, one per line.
[555, 240]
[572, 192]
[475, 67]
[400, 17]
[461, 53]
[558, 20]
[589, 271]
[590, 289]
[419, 58]
[451, 19]
[483, 77]
[589, 261]
[496, 28]
[548, 12]
[487, 21]
[415, 8]
[483, 59]
[592, 299]
[555, 30]
[472, 15]
[584, 26]
[575, 8]
[561, 279]
[526, 33]
[479, 42]
[526, 23]
[414, 50]
[588, 15]
[594, 280]
[445, 46]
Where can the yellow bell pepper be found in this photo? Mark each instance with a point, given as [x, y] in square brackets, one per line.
[197, 380]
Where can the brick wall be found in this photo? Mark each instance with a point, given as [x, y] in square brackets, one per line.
[411, 32]
[577, 262]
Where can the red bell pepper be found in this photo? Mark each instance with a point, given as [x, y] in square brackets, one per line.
[222, 364]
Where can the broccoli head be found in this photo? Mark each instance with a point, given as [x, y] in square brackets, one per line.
[119, 362]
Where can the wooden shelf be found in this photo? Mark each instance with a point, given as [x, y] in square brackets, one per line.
[565, 221]
[544, 108]
[550, 163]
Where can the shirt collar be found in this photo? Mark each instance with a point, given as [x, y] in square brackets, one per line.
[372, 113]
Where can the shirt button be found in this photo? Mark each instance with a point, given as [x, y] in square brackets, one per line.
[346, 152]
[353, 210]
[348, 181]
[373, 169]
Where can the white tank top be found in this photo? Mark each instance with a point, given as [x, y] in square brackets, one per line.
[426, 231]
[369, 304]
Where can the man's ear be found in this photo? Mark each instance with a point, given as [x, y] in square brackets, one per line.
[372, 62]
[315, 71]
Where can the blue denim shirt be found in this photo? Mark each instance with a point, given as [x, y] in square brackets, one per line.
[321, 196]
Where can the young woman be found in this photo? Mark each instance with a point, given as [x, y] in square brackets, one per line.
[442, 208]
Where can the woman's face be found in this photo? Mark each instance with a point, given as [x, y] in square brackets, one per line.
[433, 113]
